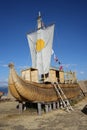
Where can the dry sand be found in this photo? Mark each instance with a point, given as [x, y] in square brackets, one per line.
[11, 119]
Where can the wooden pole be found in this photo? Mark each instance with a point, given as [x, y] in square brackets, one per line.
[54, 105]
[39, 108]
[50, 107]
[57, 105]
[20, 107]
[46, 108]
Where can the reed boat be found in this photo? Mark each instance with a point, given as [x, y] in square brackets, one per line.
[24, 90]
[28, 87]
[1, 94]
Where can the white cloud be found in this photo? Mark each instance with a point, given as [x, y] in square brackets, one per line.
[82, 72]
[22, 67]
[69, 65]
[66, 65]
[4, 65]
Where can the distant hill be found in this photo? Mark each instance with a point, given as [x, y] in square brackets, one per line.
[4, 89]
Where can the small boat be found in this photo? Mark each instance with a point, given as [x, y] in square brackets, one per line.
[29, 87]
[1, 94]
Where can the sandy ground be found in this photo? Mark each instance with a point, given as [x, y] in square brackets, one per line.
[11, 119]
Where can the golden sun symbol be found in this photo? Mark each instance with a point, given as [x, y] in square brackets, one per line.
[40, 44]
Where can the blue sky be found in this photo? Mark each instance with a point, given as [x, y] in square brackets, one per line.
[17, 17]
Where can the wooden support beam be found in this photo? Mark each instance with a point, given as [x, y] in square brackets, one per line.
[57, 105]
[46, 108]
[54, 105]
[61, 104]
[20, 107]
[39, 108]
[50, 107]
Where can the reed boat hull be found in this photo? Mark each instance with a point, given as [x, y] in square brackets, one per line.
[23, 90]
[1, 94]
[13, 89]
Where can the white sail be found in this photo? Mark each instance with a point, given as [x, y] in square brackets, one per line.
[40, 43]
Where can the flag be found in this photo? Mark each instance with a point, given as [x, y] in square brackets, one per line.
[59, 62]
[55, 58]
[40, 43]
[61, 68]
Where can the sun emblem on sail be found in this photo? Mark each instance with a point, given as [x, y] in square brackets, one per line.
[40, 44]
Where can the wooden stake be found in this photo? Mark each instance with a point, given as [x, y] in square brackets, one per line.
[46, 108]
[54, 105]
[20, 107]
[39, 108]
[50, 107]
[57, 105]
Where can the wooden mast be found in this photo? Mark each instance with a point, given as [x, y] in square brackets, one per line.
[39, 26]
[39, 21]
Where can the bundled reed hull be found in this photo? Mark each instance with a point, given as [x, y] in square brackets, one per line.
[36, 92]
[13, 89]
[1, 94]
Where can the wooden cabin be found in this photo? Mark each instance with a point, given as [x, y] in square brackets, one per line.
[30, 74]
[70, 77]
[56, 76]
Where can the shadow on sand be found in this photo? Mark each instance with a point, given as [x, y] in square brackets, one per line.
[84, 110]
